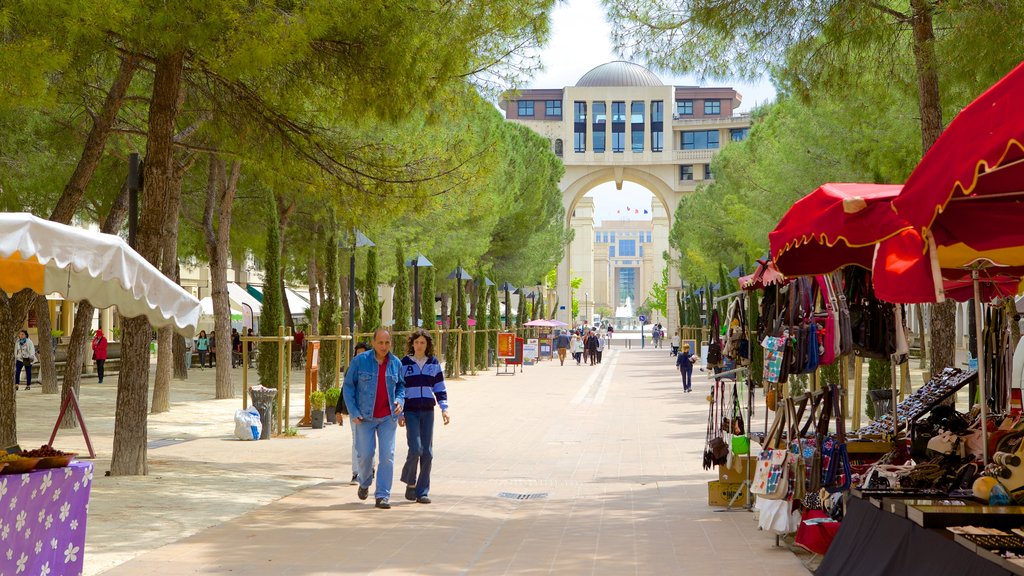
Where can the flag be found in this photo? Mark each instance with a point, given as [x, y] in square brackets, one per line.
[627, 208]
[645, 212]
[637, 210]
[618, 211]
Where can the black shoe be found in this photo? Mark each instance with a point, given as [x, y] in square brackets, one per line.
[354, 480]
[410, 493]
[28, 388]
[423, 500]
[383, 503]
[363, 493]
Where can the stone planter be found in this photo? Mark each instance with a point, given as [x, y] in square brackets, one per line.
[316, 418]
[329, 419]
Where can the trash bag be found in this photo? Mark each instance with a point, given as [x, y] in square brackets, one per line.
[247, 424]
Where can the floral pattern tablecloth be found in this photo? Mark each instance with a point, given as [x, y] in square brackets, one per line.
[42, 521]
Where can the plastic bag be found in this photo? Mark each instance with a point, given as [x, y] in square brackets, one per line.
[247, 424]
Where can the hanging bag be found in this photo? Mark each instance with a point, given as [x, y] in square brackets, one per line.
[845, 331]
[771, 474]
[834, 456]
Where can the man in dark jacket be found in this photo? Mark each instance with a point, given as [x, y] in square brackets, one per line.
[562, 344]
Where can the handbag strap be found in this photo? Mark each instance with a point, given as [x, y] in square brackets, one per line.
[837, 409]
[812, 417]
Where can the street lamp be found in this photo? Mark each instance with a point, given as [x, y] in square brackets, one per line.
[459, 274]
[507, 288]
[359, 240]
[420, 261]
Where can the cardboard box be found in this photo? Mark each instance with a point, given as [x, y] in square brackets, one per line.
[738, 471]
[720, 493]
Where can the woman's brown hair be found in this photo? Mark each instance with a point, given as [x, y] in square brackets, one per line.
[416, 334]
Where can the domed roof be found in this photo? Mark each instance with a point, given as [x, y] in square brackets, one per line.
[619, 73]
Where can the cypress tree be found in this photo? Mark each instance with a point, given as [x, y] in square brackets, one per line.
[427, 298]
[494, 317]
[272, 316]
[879, 378]
[401, 302]
[521, 313]
[330, 311]
[481, 322]
[463, 318]
[370, 319]
[450, 370]
[540, 304]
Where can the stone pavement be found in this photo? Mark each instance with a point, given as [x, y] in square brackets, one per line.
[607, 460]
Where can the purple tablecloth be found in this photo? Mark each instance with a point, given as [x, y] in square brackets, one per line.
[42, 521]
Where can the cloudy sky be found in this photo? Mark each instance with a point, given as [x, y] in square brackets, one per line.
[581, 40]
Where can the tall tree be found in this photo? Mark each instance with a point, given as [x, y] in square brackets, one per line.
[401, 301]
[221, 187]
[493, 317]
[463, 323]
[371, 301]
[481, 321]
[272, 317]
[427, 298]
[330, 309]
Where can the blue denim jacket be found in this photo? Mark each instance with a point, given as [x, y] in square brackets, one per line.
[360, 388]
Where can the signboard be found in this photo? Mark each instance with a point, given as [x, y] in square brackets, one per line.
[561, 307]
[545, 347]
[530, 350]
[517, 357]
[643, 318]
[693, 347]
[506, 345]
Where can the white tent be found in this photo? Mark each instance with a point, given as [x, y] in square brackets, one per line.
[83, 265]
[242, 297]
[296, 303]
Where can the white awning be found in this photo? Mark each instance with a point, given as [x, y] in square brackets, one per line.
[242, 297]
[296, 303]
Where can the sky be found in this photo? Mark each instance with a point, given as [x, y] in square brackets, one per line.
[580, 41]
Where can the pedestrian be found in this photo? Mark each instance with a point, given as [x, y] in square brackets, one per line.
[591, 346]
[24, 356]
[684, 362]
[375, 394]
[600, 348]
[424, 387]
[675, 345]
[189, 347]
[611, 333]
[577, 347]
[203, 346]
[341, 410]
[99, 353]
[562, 344]
[236, 348]
[211, 349]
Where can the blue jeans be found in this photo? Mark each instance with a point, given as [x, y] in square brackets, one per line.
[27, 365]
[419, 431]
[687, 379]
[368, 433]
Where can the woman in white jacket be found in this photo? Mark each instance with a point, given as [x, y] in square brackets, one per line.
[24, 356]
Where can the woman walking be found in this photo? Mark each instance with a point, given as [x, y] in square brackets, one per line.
[24, 356]
[424, 387]
[203, 346]
[684, 362]
[99, 353]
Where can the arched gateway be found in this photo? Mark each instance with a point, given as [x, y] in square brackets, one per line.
[619, 123]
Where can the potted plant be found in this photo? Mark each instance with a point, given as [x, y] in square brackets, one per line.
[317, 402]
[332, 394]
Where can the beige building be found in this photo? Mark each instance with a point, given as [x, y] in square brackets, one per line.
[620, 122]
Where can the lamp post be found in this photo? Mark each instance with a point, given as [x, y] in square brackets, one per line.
[416, 263]
[507, 288]
[359, 240]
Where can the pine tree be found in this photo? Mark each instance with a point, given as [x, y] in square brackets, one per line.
[272, 317]
[401, 302]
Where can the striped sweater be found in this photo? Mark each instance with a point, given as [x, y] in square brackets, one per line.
[423, 385]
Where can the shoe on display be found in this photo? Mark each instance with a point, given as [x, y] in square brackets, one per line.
[363, 493]
[383, 503]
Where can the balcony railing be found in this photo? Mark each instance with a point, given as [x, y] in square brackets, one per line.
[706, 154]
[739, 120]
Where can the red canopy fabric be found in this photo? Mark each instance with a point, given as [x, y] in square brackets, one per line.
[967, 195]
[765, 275]
[835, 225]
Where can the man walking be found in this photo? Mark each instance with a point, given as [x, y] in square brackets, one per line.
[562, 344]
[374, 393]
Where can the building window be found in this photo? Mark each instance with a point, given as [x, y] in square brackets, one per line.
[712, 107]
[686, 172]
[600, 119]
[618, 126]
[597, 236]
[641, 250]
[637, 125]
[657, 126]
[648, 237]
[707, 172]
[605, 237]
[626, 285]
[611, 251]
[558, 147]
[579, 126]
[684, 107]
[700, 140]
[738, 134]
[627, 247]
[526, 107]
[612, 238]
[553, 108]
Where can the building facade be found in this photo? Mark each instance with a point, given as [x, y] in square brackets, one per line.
[620, 122]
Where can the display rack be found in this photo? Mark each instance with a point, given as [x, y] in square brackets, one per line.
[921, 402]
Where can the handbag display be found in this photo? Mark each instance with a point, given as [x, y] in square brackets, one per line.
[771, 473]
[835, 460]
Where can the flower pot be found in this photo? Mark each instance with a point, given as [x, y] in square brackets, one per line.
[330, 415]
[317, 419]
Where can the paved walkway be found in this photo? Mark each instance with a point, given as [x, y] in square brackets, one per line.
[609, 457]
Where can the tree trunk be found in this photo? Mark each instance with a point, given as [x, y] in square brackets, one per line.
[130, 418]
[943, 325]
[314, 300]
[220, 197]
[284, 213]
[47, 352]
[95, 143]
[165, 357]
[13, 310]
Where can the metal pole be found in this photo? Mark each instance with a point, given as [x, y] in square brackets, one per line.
[981, 369]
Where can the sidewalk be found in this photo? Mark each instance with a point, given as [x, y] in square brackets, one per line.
[606, 459]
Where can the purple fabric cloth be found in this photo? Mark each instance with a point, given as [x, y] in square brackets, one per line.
[42, 520]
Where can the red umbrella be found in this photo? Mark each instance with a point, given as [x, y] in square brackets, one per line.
[765, 275]
[835, 225]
